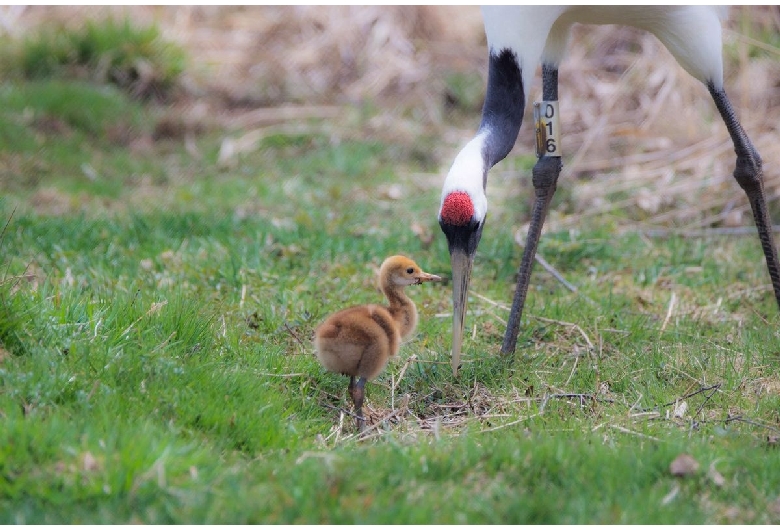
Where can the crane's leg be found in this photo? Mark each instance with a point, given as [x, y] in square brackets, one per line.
[357, 392]
[749, 175]
[545, 179]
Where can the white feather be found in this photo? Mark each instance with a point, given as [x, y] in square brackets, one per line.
[540, 33]
[467, 174]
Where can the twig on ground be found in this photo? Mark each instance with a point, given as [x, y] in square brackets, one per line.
[704, 232]
[653, 414]
[94, 388]
[374, 426]
[669, 497]
[489, 301]
[632, 407]
[569, 325]
[581, 397]
[334, 407]
[573, 369]
[629, 431]
[328, 457]
[159, 346]
[336, 429]
[155, 307]
[546, 265]
[294, 335]
[716, 387]
[509, 424]
[752, 422]
[706, 399]
[296, 374]
[555, 274]
[395, 382]
[429, 361]
[672, 302]
[5, 226]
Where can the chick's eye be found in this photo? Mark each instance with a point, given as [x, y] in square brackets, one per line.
[409, 270]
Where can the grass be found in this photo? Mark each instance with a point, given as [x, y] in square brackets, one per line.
[134, 59]
[156, 308]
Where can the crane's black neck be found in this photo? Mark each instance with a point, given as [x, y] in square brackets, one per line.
[502, 113]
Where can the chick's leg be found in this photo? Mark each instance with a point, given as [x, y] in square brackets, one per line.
[356, 390]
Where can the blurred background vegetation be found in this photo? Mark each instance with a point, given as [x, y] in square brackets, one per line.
[635, 123]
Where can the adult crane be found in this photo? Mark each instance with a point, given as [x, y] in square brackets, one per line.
[519, 37]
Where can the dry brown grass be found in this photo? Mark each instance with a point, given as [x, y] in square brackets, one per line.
[635, 121]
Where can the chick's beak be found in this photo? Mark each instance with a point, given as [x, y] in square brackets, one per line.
[425, 277]
[461, 274]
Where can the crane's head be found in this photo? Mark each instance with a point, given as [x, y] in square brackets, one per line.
[462, 217]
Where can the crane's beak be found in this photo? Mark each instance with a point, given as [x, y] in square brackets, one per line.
[461, 274]
[462, 240]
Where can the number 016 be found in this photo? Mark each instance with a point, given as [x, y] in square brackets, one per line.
[547, 128]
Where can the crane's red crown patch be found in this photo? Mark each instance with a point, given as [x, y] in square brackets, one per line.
[457, 209]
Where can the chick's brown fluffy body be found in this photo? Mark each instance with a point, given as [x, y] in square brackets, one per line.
[360, 340]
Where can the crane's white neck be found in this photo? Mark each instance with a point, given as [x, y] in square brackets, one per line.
[469, 173]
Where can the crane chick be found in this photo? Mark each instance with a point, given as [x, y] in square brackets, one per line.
[358, 341]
